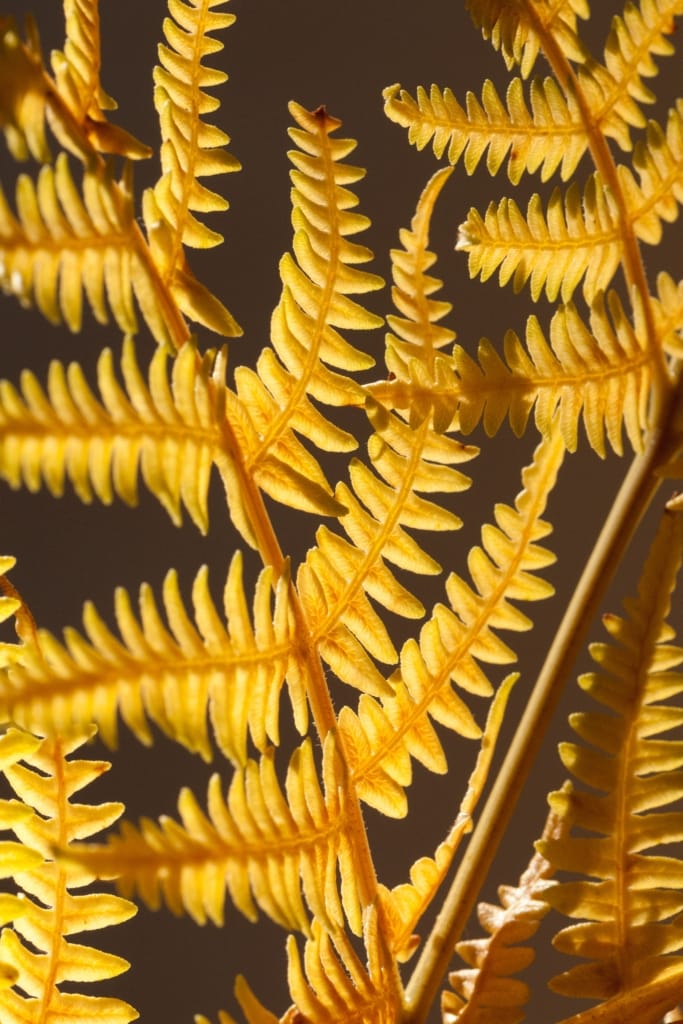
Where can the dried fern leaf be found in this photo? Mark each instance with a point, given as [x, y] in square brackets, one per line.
[551, 134]
[385, 734]
[64, 242]
[172, 431]
[267, 850]
[405, 904]
[190, 148]
[486, 992]
[577, 238]
[38, 945]
[73, 103]
[318, 280]
[600, 373]
[228, 666]
[668, 314]
[77, 80]
[416, 335]
[624, 932]
[613, 92]
[519, 29]
[332, 986]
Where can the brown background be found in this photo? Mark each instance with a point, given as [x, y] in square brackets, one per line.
[341, 55]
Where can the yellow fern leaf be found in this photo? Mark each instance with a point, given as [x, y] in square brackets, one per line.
[518, 28]
[190, 148]
[317, 281]
[332, 986]
[382, 737]
[602, 374]
[38, 945]
[171, 431]
[552, 133]
[77, 79]
[659, 163]
[263, 848]
[231, 668]
[578, 237]
[64, 243]
[23, 90]
[624, 931]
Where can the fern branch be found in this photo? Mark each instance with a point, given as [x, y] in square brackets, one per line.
[551, 134]
[263, 848]
[37, 945]
[230, 669]
[383, 736]
[317, 282]
[624, 931]
[173, 432]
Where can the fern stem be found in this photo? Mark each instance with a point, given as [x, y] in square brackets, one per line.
[634, 497]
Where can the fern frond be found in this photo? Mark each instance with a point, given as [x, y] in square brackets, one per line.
[417, 334]
[657, 195]
[614, 91]
[668, 313]
[265, 849]
[517, 28]
[577, 238]
[171, 431]
[332, 986]
[73, 103]
[625, 932]
[77, 80]
[405, 904]
[339, 575]
[550, 135]
[600, 373]
[485, 992]
[64, 242]
[318, 280]
[383, 736]
[231, 668]
[38, 945]
[190, 147]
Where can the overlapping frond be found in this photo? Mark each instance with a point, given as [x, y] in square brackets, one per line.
[332, 986]
[518, 28]
[38, 945]
[600, 373]
[486, 992]
[318, 280]
[551, 134]
[383, 736]
[268, 850]
[340, 575]
[65, 241]
[73, 103]
[77, 81]
[626, 898]
[229, 667]
[171, 431]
